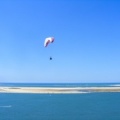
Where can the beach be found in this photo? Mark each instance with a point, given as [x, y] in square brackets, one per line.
[57, 89]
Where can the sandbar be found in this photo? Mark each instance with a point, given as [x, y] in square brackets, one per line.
[62, 90]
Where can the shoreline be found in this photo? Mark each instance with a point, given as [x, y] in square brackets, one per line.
[61, 90]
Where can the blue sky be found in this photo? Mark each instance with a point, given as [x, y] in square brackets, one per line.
[86, 47]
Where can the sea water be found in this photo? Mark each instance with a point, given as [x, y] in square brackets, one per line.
[59, 84]
[85, 106]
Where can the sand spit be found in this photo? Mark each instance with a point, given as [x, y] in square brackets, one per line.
[57, 89]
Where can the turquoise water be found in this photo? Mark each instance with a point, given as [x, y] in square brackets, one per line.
[88, 106]
[59, 84]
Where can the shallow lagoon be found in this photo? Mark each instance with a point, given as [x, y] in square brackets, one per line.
[89, 106]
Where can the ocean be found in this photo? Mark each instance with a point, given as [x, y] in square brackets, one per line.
[83, 106]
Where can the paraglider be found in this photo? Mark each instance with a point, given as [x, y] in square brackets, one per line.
[50, 58]
[48, 41]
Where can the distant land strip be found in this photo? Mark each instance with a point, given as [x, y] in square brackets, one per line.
[58, 89]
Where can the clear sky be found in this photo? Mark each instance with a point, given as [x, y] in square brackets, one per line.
[86, 47]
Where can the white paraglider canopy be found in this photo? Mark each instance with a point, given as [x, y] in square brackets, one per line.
[48, 41]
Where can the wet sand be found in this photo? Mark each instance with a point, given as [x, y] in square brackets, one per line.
[57, 89]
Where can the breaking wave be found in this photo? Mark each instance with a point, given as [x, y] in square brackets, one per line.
[6, 106]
